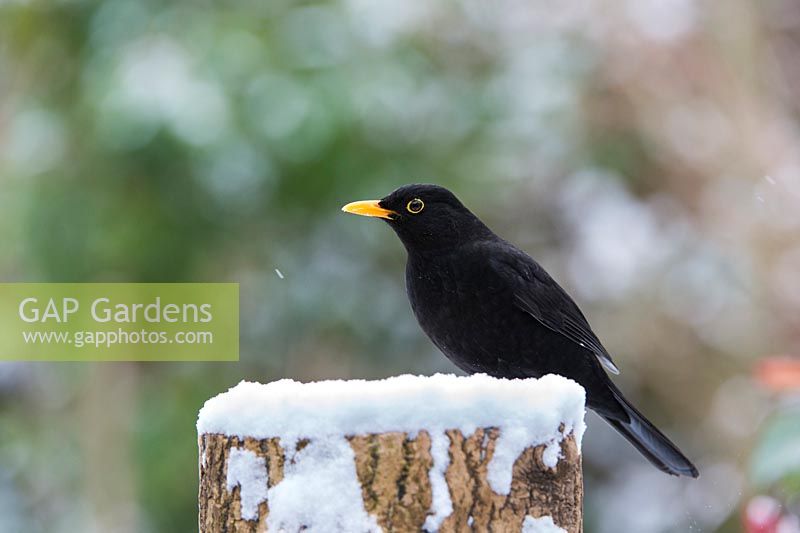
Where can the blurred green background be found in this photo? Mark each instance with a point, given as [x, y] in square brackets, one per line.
[646, 152]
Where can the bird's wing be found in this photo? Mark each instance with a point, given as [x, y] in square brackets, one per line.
[536, 293]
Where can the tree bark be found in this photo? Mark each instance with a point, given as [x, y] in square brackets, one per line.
[393, 471]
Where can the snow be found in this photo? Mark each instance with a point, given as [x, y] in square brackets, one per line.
[320, 487]
[249, 471]
[320, 491]
[442, 505]
[544, 524]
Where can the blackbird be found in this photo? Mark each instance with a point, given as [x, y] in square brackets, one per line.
[490, 308]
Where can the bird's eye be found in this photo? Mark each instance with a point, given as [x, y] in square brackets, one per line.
[415, 206]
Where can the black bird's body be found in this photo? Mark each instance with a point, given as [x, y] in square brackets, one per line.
[491, 308]
[484, 331]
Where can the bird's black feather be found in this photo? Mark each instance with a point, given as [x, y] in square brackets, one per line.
[536, 293]
[489, 307]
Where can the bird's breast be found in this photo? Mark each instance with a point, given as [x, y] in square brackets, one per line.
[465, 311]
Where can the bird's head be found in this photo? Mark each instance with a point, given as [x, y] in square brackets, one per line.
[425, 217]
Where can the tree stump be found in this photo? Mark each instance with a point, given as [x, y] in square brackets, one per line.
[392, 481]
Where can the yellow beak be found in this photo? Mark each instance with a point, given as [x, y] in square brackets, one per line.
[368, 208]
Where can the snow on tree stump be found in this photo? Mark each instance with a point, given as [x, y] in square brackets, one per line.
[405, 454]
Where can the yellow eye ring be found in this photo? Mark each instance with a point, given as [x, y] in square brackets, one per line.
[415, 206]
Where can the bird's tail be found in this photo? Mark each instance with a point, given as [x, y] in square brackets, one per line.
[650, 442]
